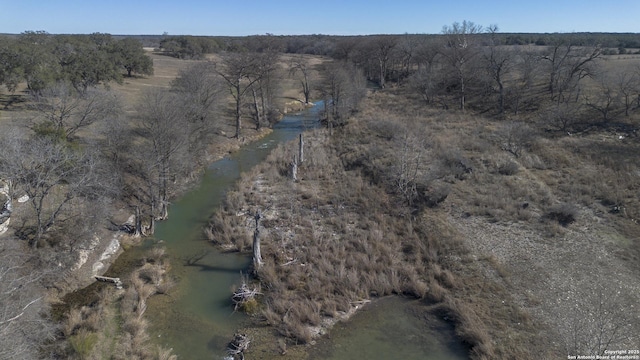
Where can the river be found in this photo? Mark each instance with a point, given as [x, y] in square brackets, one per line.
[197, 320]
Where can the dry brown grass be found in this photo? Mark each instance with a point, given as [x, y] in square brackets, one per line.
[335, 239]
[561, 205]
[113, 326]
[342, 234]
[321, 251]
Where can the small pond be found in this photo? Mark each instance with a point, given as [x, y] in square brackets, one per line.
[391, 328]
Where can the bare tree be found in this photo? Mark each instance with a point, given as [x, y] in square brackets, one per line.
[427, 80]
[163, 152]
[237, 70]
[200, 94]
[604, 101]
[343, 88]
[498, 64]
[561, 115]
[200, 90]
[627, 85]
[346, 48]
[567, 66]
[54, 176]
[406, 50]
[64, 112]
[299, 65]
[459, 51]
[525, 73]
[410, 147]
[381, 48]
[24, 328]
[264, 86]
[600, 322]
[116, 138]
[425, 83]
[515, 137]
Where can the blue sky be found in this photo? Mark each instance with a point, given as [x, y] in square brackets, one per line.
[286, 17]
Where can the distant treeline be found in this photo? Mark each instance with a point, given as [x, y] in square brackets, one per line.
[184, 46]
[41, 59]
[195, 47]
[466, 66]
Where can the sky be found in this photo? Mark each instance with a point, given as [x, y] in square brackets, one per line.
[331, 17]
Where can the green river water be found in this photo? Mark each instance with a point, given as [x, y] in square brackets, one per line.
[197, 319]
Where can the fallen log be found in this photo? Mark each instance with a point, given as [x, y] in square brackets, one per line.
[115, 281]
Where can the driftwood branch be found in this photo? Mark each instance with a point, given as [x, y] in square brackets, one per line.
[238, 345]
[243, 294]
[116, 281]
[24, 308]
[290, 262]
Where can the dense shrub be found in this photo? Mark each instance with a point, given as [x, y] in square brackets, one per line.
[436, 194]
[564, 214]
[508, 168]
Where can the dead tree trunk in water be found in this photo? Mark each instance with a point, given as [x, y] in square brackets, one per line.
[294, 169]
[301, 149]
[238, 345]
[257, 256]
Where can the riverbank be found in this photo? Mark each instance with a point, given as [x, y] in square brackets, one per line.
[108, 245]
[124, 253]
[99, 303]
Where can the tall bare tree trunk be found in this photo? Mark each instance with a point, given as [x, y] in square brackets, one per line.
[256, 108]
[462, 92]
[164, 210]
[382, 73]
[257, 256]
[294, 169]
[501, 101]
[137, 232]
[238, 108]
[301, 148]
[152, 226]
[306, 90]
[152, 219]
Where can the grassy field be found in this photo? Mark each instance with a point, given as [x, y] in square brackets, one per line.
[165, 70]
